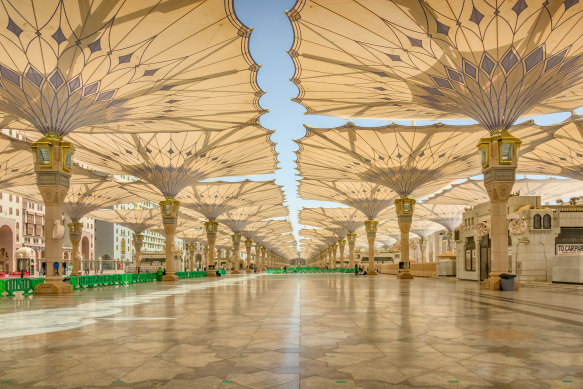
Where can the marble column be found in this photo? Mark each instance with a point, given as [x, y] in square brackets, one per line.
[351, 242]
[211, 228]
[236, 238]
[138, 239]
[405, 207]
[206, 257]
[499, 157]
[341, 245]
[248, 246]
[423, 248]
[75, 232]
[52, 164]
[371, 233]
[191, 248]
[170, 209]
[257, 256]
[263, 252]
[334, 252]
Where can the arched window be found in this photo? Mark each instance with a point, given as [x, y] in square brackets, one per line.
[123, 246]
[547, 222]
[537, 222]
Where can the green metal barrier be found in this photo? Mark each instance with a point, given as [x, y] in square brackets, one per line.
[18, 285]
[2, 287]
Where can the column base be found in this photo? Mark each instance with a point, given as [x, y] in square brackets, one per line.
[211, 273]
[248, 271]
[53, 287]
[371, 273]
[170, 278]
[493, 283]
[405, 275]
[235, 272]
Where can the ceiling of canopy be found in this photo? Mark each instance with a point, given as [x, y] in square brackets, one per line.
[214, 199]
[239, 218]
[472, 192]
[16, 163]
[138, 220]
[348, 219]
[370, 199]
[561, 155]
[173, 161]
[89, 191]
[412, 161]
[104, 66]
[402, 59]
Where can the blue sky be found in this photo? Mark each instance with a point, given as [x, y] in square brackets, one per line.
[272, 36]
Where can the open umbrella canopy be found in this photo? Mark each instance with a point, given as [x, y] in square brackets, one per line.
[348, 219]
[16, 164]
[370, 199]
[101, 66]
[472, 192]
[89, 191]
[173, 161]
[214, 199]
[402, 59]
[239, 218]
[412, 161]
[137, 220]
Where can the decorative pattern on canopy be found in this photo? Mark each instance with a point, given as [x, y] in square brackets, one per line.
[370, 199]
[403, 59]
[561, 155]
[213, 199]
[100, 66]
[348, 219]
[89, 191]
[193, 235]
[16, 164]
[424, 227]
[173, 161]
[448, 215]
[472, 192]
[239, 218]
[412, 161]
[137, 220]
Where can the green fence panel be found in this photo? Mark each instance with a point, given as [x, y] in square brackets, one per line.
[2, 287]
[18, 285]
[74, 281]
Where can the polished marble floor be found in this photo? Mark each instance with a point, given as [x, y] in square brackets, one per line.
[295, 331]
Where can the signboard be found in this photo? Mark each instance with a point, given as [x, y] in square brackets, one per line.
[565, 248]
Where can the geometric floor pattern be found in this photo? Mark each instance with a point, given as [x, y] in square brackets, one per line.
[295, 331]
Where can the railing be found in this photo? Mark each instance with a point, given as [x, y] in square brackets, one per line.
[191, 274]
[24, 285]
[88, 282]
[309, 270]
[27, 285]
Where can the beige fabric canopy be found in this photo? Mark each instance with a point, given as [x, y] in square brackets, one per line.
[239, 218]
[412, 161]
[16, 163]
[137, 220]
[448, 215]
[472, 192]
[214, 199]
[173, 161]
[348, 219]
[561, 155]
[102, 66]
[89, 191]
[370, 199]
[403, 59]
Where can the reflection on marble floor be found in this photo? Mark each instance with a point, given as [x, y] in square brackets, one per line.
[295, 331]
